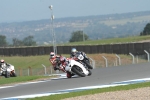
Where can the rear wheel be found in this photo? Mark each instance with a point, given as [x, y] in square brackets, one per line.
[78, 71]
[7, 74]
[69, 75]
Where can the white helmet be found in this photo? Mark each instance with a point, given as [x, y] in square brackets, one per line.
[52, 54]
[2, 61]
[73, 51]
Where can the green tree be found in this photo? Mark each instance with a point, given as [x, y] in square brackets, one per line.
[146, 30]
[3, 41]
[78, 36]
[28, 41]
[17, 42]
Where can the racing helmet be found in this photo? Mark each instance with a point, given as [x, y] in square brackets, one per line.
[52, 54]
[73, 51]
[2, 61]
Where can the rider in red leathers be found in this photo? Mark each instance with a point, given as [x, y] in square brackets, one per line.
[60, 63]
[54, 60]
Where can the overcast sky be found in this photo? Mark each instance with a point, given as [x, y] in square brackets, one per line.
[27, 10]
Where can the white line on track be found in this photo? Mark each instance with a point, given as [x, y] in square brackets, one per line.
[78, 89]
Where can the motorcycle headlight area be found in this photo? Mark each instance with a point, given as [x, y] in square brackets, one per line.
[80, 57]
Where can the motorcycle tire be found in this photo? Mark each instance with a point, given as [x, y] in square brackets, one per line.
[90, 73]
[7, 74]
[75, 70]
[88, 65]
[14, 74]
[69, 75]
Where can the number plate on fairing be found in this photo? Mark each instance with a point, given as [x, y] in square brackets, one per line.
[80, 57]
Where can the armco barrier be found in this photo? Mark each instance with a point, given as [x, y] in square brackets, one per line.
[125, 48]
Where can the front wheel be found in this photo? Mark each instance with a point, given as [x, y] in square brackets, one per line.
[90, 72]
[13, 74]
[88, 65]
[78, 71]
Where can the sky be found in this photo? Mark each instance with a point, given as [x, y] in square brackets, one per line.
[28, 10]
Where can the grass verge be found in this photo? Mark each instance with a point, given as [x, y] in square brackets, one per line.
[20, 79]
[111, 41]
[92, 91]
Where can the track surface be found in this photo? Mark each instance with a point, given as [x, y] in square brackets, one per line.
[100, 76]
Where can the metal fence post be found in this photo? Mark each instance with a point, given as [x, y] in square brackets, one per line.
[44, 68]
[105, 61]
[28, 71]
[51, 69]
[119, 59]
[147, 54]
[93, 62]
[132, 57]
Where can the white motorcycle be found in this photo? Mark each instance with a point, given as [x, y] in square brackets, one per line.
[77, 68]
[7, 71]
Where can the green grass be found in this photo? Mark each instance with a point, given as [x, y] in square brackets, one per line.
[28, 61]
[111, 41]
[21, 79]
[92, 91]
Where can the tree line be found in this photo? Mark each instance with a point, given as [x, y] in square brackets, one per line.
[75, 37]
[27, 41]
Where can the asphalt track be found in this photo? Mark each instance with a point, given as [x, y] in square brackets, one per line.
[100, 76]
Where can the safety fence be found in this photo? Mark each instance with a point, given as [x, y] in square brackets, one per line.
[103, 61]
[126, 48]
[30, 71]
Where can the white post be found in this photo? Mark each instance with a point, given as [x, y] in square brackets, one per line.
[147, 54]
[93, 62]
[119, 59]
[116, 62]
[105, 61]
[137, 59]
[51, 69]
[28, 71]
[44, 68]
[132, 57]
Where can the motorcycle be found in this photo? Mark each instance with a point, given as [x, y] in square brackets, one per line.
[82, 58]
[7, 71]
[77, 68]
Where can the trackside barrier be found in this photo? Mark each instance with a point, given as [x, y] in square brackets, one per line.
[132, 58]
[147, 54]
[106, 63]
[137, 59]
[93, 62]
[119, 59]
[44, 68]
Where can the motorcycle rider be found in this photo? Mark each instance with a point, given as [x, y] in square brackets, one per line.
[3, 63]
[60, 63]
[74, 52]
[54, 60]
